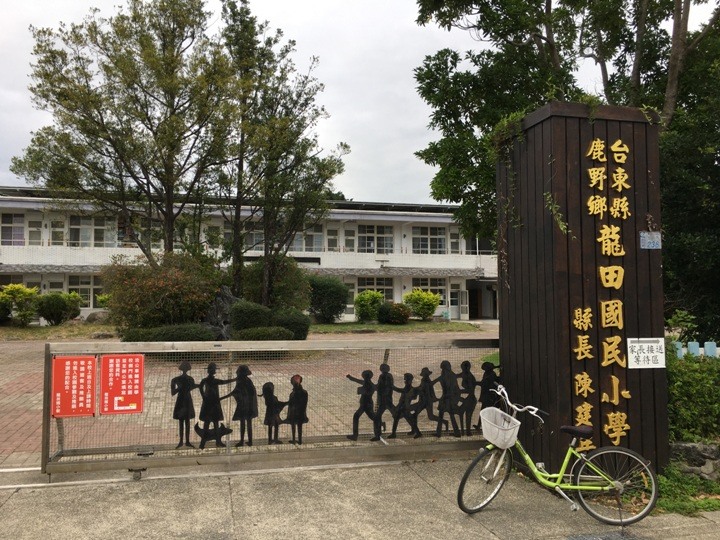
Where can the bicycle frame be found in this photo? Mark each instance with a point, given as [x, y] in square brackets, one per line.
[557, 480]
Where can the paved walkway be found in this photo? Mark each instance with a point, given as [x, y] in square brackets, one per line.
[356, 500]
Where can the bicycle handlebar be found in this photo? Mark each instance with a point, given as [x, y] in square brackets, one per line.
[519, 408]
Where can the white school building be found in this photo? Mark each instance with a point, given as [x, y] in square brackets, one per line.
[387, 247]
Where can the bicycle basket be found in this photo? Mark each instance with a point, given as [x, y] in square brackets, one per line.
[498, 427]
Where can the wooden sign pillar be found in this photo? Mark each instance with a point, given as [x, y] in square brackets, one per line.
[581, 301]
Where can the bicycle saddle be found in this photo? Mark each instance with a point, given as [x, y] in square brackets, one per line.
[583, 432]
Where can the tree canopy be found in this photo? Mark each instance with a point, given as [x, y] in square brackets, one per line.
[529, 53]
[152, 113]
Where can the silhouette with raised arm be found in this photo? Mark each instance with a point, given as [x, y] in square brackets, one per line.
[385, 386]
[468, 382]
[449, 397]
[211, 411]
[426, 397]
[297, 409]
[404, 407]
[184, 411]
[366, 390]
[246, 403]
[273, 407]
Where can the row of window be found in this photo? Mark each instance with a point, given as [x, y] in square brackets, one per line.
[81, 231]
[87, 286]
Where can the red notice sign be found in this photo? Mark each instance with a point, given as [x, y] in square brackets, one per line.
[73, 386]
[121, 383]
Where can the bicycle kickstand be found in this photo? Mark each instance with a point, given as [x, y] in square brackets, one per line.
[573, 506]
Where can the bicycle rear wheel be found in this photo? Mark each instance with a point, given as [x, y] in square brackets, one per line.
[635, 492]
[483, 479]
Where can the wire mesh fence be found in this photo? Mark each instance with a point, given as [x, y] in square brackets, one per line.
[332, 398]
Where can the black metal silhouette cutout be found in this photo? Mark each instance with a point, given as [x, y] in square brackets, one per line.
[297, 409]
[385, 386]
[246, 404]
[489, 382]
[449, 398]
[426, 397]
[404, 408]
[468, 382]
[366, 390]
[211, 411]
[273, 407]
[184, 410]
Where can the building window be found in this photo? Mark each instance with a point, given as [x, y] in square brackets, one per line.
[429, 240]
[375, 239]
[88, 287]
[34, 233]
[433, 285]
[454, 242]
[350, 240]
[314, 238]
[350, 307]
[381, 285]
[254, 237]
[333, 242]
[89, 232]
[11, 279]
[454, 294]
[12, 230]
[57, 233]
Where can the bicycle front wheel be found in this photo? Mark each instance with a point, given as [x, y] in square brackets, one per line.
[483, 479]
[634, 493]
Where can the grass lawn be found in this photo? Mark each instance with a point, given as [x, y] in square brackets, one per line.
[411, 326]
[79, 331]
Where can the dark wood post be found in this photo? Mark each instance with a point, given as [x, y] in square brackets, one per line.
[580, 278]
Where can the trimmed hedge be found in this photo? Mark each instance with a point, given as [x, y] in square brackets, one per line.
[390, 313]
[294, 320]
[328, 298]
[245, 314]
[367, 304]
[693, 396]
[263, 333]
[176, 332]
[57, 307]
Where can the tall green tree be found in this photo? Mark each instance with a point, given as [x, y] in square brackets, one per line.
[646, 56]
[277, 168]
[690, 169]
[141, 111]
[532, 53]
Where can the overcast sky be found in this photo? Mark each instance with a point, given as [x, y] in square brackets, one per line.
[367, 50]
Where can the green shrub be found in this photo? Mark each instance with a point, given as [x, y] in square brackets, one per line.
[328, 298]
[264, 333]
[422, 303]
[693, 396]
[290, 286]
[174, 332]
[294, 320]
[22, 300]
[57, 307]
[390, 313]
[245, 314]
[5, 308]
[179, 291]
[367, 304]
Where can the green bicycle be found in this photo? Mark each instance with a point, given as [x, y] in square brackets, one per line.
[614, 485]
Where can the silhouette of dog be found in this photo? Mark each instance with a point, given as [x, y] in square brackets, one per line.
[211, 434]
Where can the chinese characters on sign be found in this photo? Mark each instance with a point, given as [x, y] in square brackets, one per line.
[73, 386]
[646, 353]
[608, 178]
[121, 383]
